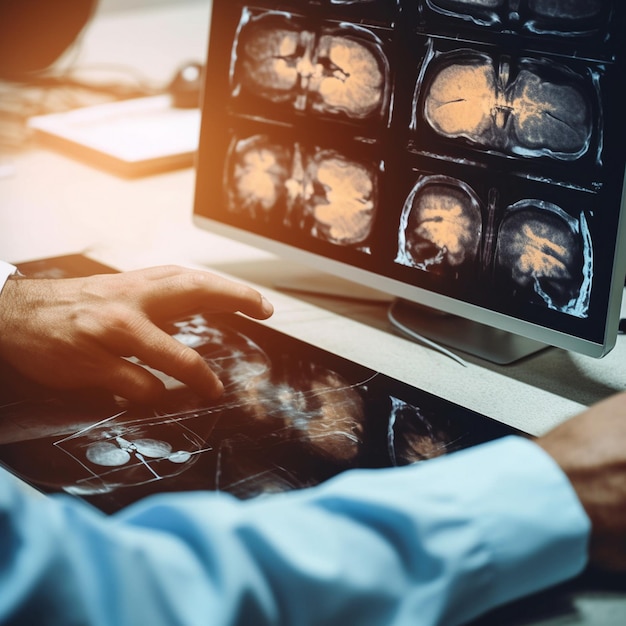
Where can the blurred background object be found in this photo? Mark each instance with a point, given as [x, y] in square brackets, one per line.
[35, 33]
[59, 56]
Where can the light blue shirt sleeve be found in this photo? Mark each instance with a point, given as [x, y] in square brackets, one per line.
[438, 542]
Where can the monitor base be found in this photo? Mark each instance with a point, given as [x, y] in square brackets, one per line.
[488, 343]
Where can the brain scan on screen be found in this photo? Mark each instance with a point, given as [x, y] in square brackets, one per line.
[335, 71]
[563, 16]
[440, 226]
[546, 252]
[540, 109]
[320, 192]
[415, 137]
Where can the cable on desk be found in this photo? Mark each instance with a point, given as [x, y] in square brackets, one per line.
[420, 338]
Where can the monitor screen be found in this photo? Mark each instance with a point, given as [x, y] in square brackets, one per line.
[466, 155]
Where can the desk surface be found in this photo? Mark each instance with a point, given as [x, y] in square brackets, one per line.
[51, 205]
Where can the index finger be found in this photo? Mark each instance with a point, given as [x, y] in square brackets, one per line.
[178, 292]
[157, 350]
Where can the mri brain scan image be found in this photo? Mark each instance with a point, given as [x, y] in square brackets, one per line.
[441, 226]
[554, 14]
[308, 404]
[543, 250]
[540, 110]
[339, 198]
[395, 136]
[467, 6]
[565, 9]
[339, 71]
[412, 437]
[259, 172]
[322, 192]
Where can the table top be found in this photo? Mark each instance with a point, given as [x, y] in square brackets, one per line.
[53, 205]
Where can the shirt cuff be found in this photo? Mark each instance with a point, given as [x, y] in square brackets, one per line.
[537, 529]
[6, 270]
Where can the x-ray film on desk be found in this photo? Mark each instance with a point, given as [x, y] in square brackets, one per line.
[292, 416]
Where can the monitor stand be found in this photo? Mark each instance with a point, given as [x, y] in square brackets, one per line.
[457, 333]
[438, 330]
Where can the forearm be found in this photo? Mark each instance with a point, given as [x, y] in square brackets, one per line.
[591, 451]
[436, 543]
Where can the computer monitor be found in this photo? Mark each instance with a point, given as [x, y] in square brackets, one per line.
[464, 155]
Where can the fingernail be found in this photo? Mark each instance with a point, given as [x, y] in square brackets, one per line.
[267, 306]
[218, 389]
[213, 390]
